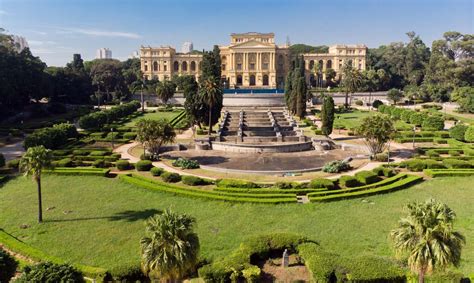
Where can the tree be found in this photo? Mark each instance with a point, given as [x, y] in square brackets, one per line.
[152, 134]
[394, 95]
[377, 131]
[427, 235]
[171, 247]
[464, 97]
[210, 92]
[32, 163]
[107, 75]
[50, 272]
[327, 115]
[330, 76]
[165, 91]
[193, 104]
[351, 81]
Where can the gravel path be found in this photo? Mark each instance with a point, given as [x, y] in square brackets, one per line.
[12, 151]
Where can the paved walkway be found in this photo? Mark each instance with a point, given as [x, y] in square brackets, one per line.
[12, 151]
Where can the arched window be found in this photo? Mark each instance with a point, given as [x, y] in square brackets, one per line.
[320, 64]
[265, 79]
[193, 66]
[329, 64]
[176, 66]
[155, 66]
[184, 66]
[252, 80]
[311, 65]
[239, 80]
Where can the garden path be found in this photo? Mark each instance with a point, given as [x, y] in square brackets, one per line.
[12, 151]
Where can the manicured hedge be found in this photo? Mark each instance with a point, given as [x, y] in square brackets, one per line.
[254, 191]
[448, 172]
[217, 195]
[194, 181]
[348, 181]
[22, 248]
[367, 177]
[402, 182]
[233, 183]
[321, 183]
[170, 177]
[78, 171]
[51, 137]
[157, 171]
[143, 165]
[384, 171]
[457, 132]
[97, 120]
[433, 123]
[456, 163]
[122, 165]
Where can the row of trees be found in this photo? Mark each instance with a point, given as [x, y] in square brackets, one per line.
[296, 92]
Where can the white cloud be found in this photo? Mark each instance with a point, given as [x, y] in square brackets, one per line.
[2, 12]
[40, 42]
[95, 32]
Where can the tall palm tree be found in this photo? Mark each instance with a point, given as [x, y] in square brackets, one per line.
[171, 247]
[32, 163]
[351, 81]
[210, 92]
[428, 236]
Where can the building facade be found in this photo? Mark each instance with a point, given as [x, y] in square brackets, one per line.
[251, 60]
[187, 47]
[104, 53]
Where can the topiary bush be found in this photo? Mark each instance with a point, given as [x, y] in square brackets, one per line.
[454, 153]
[359, 102]
[384, 171]
[50, 272]
[377, 103]
[157, 171]
[122, 165]
[322, 183]
[8, 266]
[433, 123]
[170, 177]
[469, 134]
[232, 183]
[415, 165]
[456, 163]
[433, 164]
[336, 166]
[432, 153]
[65, 162]
[348, 182]
[193, 181]
[143, 165]
[468, 151]
[457, 132]
[367, 177]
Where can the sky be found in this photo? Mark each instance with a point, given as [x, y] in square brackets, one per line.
[55, 29]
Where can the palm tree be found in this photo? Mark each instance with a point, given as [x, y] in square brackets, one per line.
[428, 236]
[210, 92]
[171, 247]
[32, 163]
[165, 90]
[351, 81]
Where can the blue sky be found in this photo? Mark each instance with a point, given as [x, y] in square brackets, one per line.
[56, 29]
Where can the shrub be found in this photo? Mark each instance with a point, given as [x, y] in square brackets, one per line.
[367, 177]
[322, 183]
[185, 163]
[65, 162]
[193, 181]
[50, 272]
[157, 171]
[468, 151]
[126, 273]
[232, 183]
[454, 153]
[456, 163]
[130, 136]
[433, 164]
[122, 165]
[170, 177]
[98, 153]
[433, 123]
[417, 118]
[405, 116]
[99, 163]
[143, 165]
[359, 102]
[469, 134]
[381, 157]
[384, 171]
[396, 112]
[2, 160]
[67, 128]
[415, 165]
[377, 103]
[48, 137]
[288, 185]
[8, 266]
[348, 181]
[13, 164]
[80, 152]
[336, 166]
[457, 132]
[432, 153]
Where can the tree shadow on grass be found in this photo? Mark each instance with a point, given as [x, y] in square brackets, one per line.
[127, 216]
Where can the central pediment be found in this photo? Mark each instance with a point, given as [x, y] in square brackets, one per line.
[252, 44]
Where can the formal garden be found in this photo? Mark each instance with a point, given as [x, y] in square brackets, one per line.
[108, 194]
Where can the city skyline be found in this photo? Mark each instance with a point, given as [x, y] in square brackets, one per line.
[74, 27]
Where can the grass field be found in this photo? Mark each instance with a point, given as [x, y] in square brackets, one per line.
[352, 119]
[155, 116]
[98, 221]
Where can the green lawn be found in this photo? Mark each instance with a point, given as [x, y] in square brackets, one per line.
[352, 119]
[106, 219]
[155, 116]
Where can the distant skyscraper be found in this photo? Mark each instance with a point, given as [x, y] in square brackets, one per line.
[19, 43]
[134, 55]
[104, 53]
[187, 47]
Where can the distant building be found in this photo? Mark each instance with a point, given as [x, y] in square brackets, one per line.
[19, 43]
[104, 53]
[134, 55]
[187, 47]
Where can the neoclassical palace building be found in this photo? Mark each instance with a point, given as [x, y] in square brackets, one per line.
[251, 60]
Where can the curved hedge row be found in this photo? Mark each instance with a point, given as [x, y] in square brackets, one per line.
[403, 183]
[78, 171]
[16, 245]
[191, 192]
[269, 191]
[449, 172]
